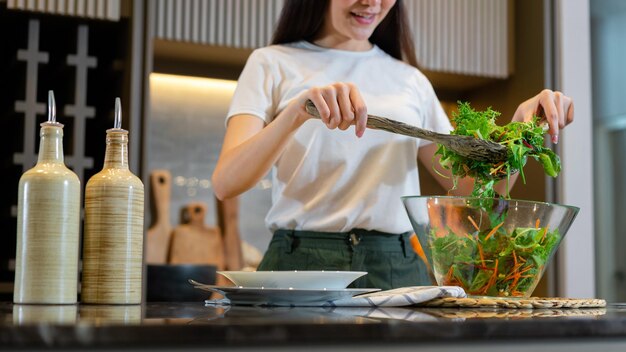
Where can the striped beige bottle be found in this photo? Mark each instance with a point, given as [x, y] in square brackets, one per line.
[48, 211]
[113, 240]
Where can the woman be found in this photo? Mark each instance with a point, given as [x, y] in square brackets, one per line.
[336, 195]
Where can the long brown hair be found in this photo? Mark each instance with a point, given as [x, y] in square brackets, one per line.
[303, 19]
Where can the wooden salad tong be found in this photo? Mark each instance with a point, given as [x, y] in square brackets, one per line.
[466, 146]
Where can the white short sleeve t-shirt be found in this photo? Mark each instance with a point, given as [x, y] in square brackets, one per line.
[330, 180]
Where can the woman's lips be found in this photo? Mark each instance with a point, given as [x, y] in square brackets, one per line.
[365, 19]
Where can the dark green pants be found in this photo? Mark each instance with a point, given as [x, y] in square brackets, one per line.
[388, 258]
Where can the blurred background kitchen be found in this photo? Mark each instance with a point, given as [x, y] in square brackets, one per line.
[175, 64]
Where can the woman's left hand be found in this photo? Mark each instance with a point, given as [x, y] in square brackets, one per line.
[554, 107]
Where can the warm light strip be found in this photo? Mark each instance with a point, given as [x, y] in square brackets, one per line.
[192, 81]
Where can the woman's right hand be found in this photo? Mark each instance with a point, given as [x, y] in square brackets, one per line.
[340, 105]
[252, 146]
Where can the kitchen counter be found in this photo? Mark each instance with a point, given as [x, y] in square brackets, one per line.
[192, 325]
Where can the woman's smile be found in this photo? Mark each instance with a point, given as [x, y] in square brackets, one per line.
[364, 18]
[350, 23]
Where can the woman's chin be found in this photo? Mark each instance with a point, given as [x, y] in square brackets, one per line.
[361, 35]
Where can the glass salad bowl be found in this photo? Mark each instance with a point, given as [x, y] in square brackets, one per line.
[489, 246]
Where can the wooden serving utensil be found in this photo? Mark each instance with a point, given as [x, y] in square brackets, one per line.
[466, 146]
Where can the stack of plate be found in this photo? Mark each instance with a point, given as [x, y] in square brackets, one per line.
[287, 288]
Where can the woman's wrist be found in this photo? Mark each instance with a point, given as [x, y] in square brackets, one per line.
[295, 116]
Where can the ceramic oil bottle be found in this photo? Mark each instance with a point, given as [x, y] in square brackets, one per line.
[113, 238]
[48, 213]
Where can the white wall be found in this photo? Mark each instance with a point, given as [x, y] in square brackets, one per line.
[573, 77]
[608, 30]
[187, 128]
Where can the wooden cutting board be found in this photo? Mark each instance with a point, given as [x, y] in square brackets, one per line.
[228, 222]
[194, 242]
[158, 235]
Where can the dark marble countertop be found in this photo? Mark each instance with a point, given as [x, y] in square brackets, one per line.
[179, 325]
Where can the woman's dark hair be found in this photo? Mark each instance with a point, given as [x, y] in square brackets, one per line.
[303, 19]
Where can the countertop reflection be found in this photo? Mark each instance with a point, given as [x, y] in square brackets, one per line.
[194, 324]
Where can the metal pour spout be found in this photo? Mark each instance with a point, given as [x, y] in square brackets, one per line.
[118, 114]
[117, 122]
[52, 108]
[52, 112]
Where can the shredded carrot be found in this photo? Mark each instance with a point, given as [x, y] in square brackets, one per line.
[537, 223]
[514, 273]
[517, 278]
[526, 269]
[448, 278]
[450, 271]
[515, 281]
[417, 248]
[482, 257]
[473, 222]
[511, 276]
[493, 230]
[492, 279]
[496, 168]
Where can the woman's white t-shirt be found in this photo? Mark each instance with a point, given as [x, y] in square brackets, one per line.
[330, 180]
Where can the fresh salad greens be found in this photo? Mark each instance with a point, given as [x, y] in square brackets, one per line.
[495, 259]
[493, 262]
[522, 139]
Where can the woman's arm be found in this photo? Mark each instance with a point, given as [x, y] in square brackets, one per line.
[249, 151]
[250, 148]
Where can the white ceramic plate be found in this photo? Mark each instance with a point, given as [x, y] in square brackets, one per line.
[282, 296]
[297, 279]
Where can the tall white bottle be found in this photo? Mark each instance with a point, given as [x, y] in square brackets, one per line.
[113, 241]
[48, 213]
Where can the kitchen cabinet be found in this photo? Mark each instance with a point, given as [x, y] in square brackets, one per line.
[469, 37]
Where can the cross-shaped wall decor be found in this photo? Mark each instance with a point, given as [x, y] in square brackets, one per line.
[79, 110]
[29, 106]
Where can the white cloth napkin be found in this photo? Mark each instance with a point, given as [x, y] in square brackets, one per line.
[396, 313]
[399, 297]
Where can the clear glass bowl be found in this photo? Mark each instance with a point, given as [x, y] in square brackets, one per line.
[489, 246]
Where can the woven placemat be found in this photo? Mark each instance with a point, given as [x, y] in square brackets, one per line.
[515, 303]
[489, 313]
